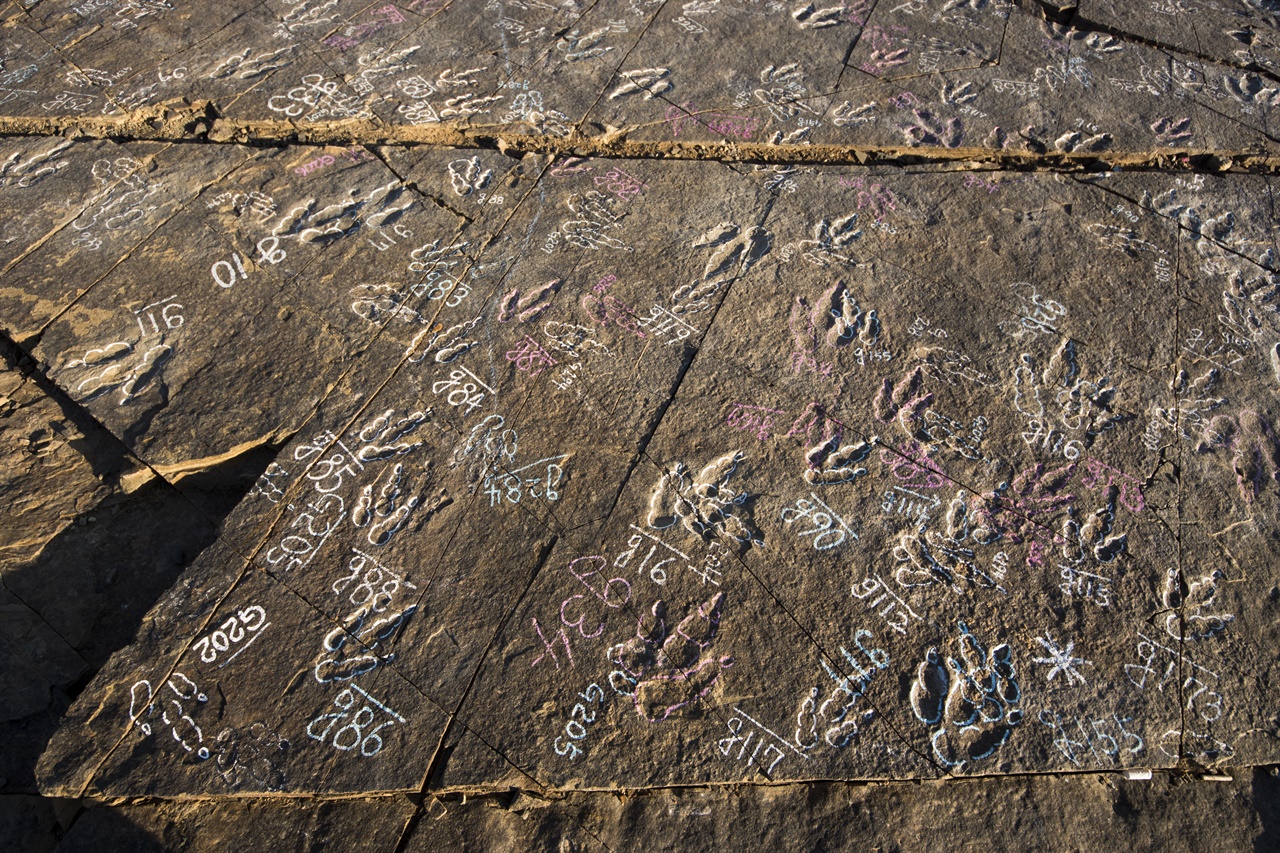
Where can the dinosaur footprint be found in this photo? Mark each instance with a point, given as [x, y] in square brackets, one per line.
[467, 176]
[928, 130]
[844, 319]
[382, 302]
[147, 369]
[1062, 369]
[672, 670]
[736, 249]
[1095, 536]
[704, 504]
[831, 241]
[815, 19]
[577, 46]
[1034, 496]
[928, 558]
[122, 367]
[322, 226]
[847, 113]
[839, 724]
[449, 343]
[1193, 613]
[390, 201]
[528, 306]
[903, 401]
[1255, 450]
[650, 81]
[969, 700]
[831, 462]
[381, 436]
[1076, 141]
[388, 513]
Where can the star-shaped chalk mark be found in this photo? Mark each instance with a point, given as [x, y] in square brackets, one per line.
[1061, 659]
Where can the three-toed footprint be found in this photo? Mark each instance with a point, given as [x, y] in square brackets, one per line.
[969, 699]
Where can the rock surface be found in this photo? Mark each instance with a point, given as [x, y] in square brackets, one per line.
[659, 424]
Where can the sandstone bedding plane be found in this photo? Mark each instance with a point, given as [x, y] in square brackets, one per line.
[622, 424]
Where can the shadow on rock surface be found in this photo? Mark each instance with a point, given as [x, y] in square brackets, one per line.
[84, 556]
[111, 829]
[1266, 800]
[278, 825]
[28, 824]
[79, 600]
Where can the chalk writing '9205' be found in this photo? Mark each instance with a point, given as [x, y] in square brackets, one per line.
[579, 718]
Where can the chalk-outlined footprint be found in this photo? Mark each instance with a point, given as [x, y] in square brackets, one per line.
[839, 313]
[831, 241]
[572, 339]
[448, 343]
[1093, 538]
[849, 113]
[352, 649]
[524, 306]
[467, 176]
[15, 171]
[381, 436]
[247, 67]
[121, 367]
[810, 18]
[1017, 510]
[668, 671]
[379, 303]
[576, 45]
[650, 81]
[322, 226]
[388, 513]
[182, 726]
[704, 503]
[903, 402]
[835, 717]
[1192, 611]
[784, 97]
[831, 462]
[969, 699]
[595, 215]
[334, 221]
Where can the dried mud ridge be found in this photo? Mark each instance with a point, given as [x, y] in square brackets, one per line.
[201, 124]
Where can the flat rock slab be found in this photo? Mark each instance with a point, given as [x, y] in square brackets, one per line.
[992, 77]
[815, 402]
[990, 456]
